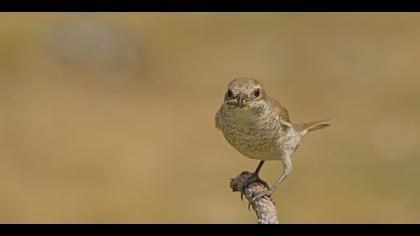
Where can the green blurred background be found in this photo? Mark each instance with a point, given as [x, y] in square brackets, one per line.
[109, 118]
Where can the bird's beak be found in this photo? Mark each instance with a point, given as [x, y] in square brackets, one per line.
[241, 100]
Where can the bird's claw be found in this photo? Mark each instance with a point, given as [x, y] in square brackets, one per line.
[258, 195]
[254, 178]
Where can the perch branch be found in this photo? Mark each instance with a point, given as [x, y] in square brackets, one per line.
[264, 208]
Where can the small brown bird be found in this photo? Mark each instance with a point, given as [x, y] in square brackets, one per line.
[260, 128]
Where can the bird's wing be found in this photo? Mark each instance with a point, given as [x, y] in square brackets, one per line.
[280, 110]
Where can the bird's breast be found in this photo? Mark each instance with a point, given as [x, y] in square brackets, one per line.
[255, 136]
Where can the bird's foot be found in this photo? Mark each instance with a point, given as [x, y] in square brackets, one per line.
[259, 195]
[254, 178]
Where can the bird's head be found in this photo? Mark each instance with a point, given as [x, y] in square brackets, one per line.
[244, 94]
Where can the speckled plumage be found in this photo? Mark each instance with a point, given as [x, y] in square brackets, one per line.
[257, 133]
[259, 127]
[262, 130]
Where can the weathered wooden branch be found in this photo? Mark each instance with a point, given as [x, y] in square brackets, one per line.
[264, 208]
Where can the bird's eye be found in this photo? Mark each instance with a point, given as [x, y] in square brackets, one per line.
[230, 93]
[257, 92]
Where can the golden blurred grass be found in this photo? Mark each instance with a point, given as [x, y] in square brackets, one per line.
[110, 117]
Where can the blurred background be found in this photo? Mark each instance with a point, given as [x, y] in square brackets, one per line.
[109, 118]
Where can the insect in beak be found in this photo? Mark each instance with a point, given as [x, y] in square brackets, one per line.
[241, 100]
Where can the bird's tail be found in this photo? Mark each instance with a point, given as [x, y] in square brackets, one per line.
[314, 125]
